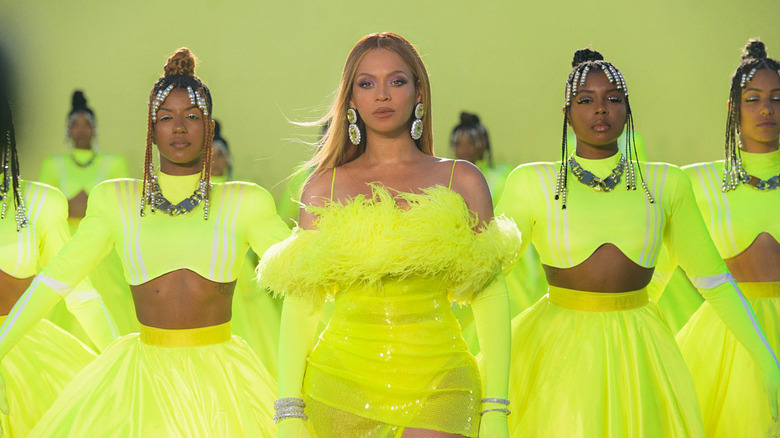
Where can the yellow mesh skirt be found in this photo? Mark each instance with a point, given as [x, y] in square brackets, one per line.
[728, 382]
[35, 371]
[392, 358]
[195, 383]
[590, 364]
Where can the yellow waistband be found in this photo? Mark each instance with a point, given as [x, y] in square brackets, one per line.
[195, 337]
[768, 289]
[597, 301]
[2, 318]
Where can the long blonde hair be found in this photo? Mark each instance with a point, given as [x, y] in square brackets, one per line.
[336, 149]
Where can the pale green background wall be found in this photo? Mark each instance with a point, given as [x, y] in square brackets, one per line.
[267, 62]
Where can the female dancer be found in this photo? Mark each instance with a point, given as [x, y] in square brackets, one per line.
[728, 380]
[182, 242]
[594, 357]
[33, 227]
[76, 173]
[393, 234]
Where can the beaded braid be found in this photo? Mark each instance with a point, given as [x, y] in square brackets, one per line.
[753, 59]
[11, 173]
[200, 95]
[576, 79]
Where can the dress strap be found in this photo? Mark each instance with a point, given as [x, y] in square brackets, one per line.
[452, 173]
[332, 183]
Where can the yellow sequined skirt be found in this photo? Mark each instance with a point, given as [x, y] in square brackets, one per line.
[35, 371]
[590, 364]
[191, 383]
[728, 382]
[392, 357]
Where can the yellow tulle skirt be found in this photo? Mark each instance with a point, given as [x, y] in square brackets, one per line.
[589, 364]
[167, 383]
[733, 399]
[392, 358]
[35, 371]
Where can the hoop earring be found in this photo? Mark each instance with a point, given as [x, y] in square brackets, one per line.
[353, 130]
[417, 125]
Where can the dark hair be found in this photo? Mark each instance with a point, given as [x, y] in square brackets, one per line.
[78, 103]
[754, 58]
[9, 163]
[471, 126]
[179, 72]
[583, 62]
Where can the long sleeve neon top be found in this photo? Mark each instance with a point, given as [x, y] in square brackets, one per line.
[69, 173]
[241, 215]
[23, 253]
[731, 217]
[566, 238]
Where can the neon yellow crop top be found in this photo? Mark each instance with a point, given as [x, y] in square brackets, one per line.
[731, 217]
[23, 253]
[61, 170]
[566, 238]
[241, 215]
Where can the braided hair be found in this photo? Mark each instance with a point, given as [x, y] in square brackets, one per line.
[584, 61]
[472, 127]
[179, 72]
[9, 165]
[754, 58]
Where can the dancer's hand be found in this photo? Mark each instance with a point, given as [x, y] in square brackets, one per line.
[293, 428]
[494, 425]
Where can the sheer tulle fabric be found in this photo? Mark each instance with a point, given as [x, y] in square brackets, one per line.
[728, 381]
[589, 364]
[167, 383]
[35, 371]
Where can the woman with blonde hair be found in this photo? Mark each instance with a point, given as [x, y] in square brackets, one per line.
[392, 234]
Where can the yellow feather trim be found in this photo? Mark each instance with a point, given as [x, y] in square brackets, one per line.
[368, 239]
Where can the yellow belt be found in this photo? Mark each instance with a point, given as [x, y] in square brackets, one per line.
[755, 290]
[194, 337]
[597, 301]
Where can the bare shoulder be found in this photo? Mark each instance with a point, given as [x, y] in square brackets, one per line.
[468, 181]
[316, 189]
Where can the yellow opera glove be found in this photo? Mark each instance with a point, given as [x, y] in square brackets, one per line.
[300, 318]
[722, 293]
[491, 316]
[87, 306]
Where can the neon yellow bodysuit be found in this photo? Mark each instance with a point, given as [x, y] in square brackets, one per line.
[728, 381]
[605, 364]
[392, 356]
[45, 360]
[74, 172]
[195, 382]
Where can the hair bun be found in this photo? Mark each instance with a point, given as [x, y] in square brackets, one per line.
[754, 49]
[585, 55]
[78, 101]
[181, 63]
[468, 118]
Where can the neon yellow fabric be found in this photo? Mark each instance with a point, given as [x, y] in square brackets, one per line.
[241, 214]
[22, 254]
[62, 172]
[591, 364]
[731, 217]
[492, 317]
[391, 356]
[36, 370]
[565, 238]
[135, 389]
[728, 380]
